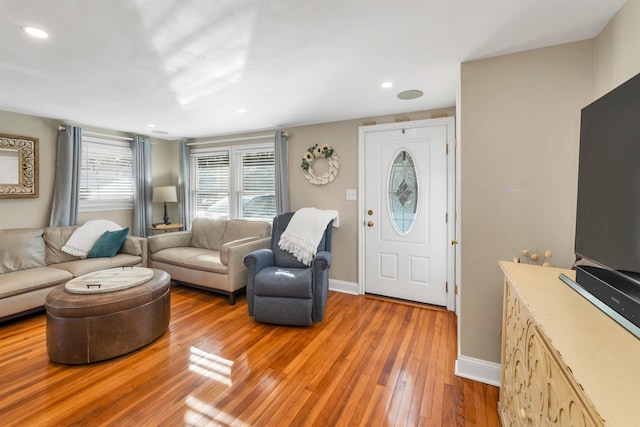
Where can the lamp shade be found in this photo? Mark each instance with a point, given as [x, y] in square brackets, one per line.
[165, 194]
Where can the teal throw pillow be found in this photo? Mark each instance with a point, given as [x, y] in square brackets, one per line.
[108, 244]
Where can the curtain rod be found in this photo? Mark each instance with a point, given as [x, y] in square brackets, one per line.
[88, 133]
[246, 138]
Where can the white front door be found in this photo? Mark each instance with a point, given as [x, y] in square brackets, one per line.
[405, 203]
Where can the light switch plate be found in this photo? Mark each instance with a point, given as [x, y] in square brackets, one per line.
[351, 194]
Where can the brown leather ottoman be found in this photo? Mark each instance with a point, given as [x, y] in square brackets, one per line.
[92, 327]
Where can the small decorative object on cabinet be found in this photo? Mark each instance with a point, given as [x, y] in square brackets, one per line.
[564, 362]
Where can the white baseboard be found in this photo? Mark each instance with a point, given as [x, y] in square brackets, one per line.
[478, 370]
[343, 286]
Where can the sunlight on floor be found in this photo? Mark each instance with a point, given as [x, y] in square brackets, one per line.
[200, 414]
[210, 366]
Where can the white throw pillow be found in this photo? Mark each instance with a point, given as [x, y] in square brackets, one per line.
[85, 236]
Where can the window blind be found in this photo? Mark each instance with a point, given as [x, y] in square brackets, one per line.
[234, 182]
[106, 178]
[258, 184]
[212, 184]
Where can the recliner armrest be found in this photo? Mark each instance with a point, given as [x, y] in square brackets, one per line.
[322, 260]
[257, 260]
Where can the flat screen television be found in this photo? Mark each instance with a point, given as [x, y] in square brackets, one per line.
[608, 205]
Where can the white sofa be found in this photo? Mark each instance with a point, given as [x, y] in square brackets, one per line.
[32, 263]
[209, 256]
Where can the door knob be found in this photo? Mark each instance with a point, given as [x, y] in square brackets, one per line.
[454, 242]
[370, 224]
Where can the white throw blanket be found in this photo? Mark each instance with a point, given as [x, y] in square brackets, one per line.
[85, 236]
[304, 232]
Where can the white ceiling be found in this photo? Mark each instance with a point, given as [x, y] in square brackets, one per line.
[188, 65]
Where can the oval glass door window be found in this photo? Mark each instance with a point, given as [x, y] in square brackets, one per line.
[403, 192]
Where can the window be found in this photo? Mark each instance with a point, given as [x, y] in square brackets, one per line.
[234, 182]
[106, 177]
[403, 192]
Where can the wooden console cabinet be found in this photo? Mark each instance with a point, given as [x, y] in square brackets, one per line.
[564, 362]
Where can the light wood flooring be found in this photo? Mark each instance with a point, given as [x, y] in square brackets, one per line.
[372, 362]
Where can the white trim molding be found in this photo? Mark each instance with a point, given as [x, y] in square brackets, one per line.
[343, 286]
[478, 370]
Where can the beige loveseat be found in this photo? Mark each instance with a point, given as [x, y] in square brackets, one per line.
[209, 256]
[32, 263]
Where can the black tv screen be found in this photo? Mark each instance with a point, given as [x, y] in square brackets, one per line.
[608, 208]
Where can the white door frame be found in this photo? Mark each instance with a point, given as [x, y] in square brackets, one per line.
[451, 197]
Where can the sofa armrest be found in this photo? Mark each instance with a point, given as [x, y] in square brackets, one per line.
[238, 274]
[168, 240]
[134, 245]
[224, 249]
[235, 253]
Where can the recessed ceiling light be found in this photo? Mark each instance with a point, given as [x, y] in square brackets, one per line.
[150, 125]
[386, 85]
[241, 110]
[35, 32]
[410, 94]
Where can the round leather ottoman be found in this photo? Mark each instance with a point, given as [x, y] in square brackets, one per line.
[85, 328]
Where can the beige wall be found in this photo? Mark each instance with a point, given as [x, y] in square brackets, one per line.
[519, 140]
[165, 172]
[519, 136]
[19, 213]
[617, 57]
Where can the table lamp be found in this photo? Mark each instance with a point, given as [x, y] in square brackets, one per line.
[165, 195]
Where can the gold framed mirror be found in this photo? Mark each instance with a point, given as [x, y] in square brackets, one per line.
[18, 166]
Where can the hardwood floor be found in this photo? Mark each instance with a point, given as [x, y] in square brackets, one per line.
[371, 362]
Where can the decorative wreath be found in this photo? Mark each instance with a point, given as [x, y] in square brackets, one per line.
[313, 153]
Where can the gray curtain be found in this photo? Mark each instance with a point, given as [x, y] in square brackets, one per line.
[141, 185]
[184, 185]
[282, 173]
[64, 208]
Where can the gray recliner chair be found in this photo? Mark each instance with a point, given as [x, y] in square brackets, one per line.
[282, 290]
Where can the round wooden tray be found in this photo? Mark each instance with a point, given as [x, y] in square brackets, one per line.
[113, 279]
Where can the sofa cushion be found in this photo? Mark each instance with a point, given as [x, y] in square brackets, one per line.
[21, 249]
[89, 265]
[21, 282]
[207, 261]
[207, 233]
[176, 256]
[196, 258]
[54, 239]
[242, 228]
[108, 244]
